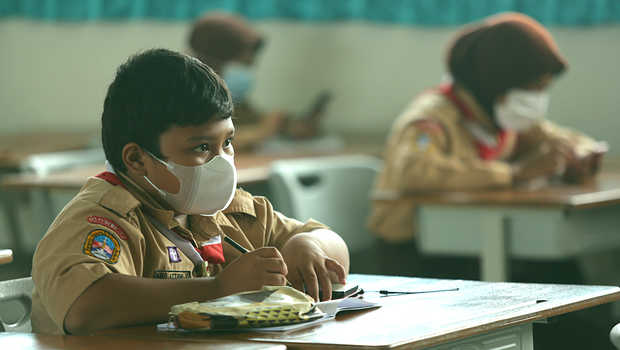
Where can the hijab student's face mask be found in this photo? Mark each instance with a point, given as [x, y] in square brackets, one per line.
[240, 79]
[521, 109]
[205, 189]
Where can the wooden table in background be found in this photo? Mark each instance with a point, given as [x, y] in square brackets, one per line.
[15, 148]
[560, 221]
[478, 315]
[251, 168]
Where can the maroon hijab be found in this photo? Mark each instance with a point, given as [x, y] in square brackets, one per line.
[217, 38]
[503, 52]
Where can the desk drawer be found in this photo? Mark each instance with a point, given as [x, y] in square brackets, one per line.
[514, 338]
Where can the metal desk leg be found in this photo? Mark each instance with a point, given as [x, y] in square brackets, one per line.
[494, 252]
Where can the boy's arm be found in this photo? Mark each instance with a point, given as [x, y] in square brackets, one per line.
[117, 300]
[315, 256]
[315, 259]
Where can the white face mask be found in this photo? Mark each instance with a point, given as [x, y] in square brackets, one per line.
[205, 189]
[239, 79]
[521, 109]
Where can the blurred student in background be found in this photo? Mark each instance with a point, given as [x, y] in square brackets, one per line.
[486, 128]
[229, 45]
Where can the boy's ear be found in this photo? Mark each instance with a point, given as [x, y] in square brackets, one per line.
[133, 158]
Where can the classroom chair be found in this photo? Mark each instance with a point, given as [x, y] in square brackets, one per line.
[16, 291]
[614, 336]
[332, 190]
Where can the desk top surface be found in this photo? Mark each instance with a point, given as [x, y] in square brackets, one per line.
[15, 148]
[33, 341]
[604, 190]
[251, 168]
[421, 320]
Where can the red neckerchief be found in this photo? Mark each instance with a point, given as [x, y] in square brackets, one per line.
[212, 252]
[485, 151]
[110, 177]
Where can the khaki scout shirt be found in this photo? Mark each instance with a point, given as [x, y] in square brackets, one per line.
[431, 147]
[104, 230]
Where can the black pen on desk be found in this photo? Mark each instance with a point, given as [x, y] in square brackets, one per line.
[243, 250]
[394, 292]
[386, 292]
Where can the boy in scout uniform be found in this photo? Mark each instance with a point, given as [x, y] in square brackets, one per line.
[147, 233]
[486, 128]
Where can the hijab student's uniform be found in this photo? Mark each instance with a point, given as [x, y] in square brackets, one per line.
[460, 135]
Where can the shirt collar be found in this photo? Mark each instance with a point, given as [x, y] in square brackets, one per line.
[476, 112]
[150, 204]
[242, 203]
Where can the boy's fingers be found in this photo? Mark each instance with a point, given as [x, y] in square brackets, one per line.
[337, 268]
[275, 265]
[274, 279]
[267, 252]
[311, 283]
[296, 280]
[324, 283]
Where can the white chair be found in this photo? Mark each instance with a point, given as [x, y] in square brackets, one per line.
[614, 336]
[332, 190]
[11, 292]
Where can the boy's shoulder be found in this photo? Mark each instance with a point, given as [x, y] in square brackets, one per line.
[245, 203]
[100, 192]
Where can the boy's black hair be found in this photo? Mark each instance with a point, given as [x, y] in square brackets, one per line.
[153, 91]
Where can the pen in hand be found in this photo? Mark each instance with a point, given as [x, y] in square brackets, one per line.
[243, 250]
[236, 245]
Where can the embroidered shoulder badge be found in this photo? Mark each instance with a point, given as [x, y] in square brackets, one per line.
[103, 245]
[100, 220]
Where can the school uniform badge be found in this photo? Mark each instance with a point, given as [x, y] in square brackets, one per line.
[103, 245]
[173, 254]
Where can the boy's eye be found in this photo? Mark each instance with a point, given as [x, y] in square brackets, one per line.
[228, 142]
[202, 148]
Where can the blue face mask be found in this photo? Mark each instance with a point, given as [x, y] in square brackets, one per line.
[239, 79]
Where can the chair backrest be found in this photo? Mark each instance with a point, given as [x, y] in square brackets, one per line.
[44, 163]
[333, 190]
[16, 291]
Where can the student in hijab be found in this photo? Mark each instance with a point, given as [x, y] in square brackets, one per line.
[485, 129]
[228, 44]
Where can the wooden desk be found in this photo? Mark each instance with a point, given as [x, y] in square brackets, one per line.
[551, 223]
[6, 256]
[52, 342]
[15, 148]
[250, 169]
[498, 315]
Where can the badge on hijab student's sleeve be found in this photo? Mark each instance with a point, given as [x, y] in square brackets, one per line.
[426, 130]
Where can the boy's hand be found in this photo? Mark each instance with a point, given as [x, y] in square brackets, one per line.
[310, 269]
[261, 267]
